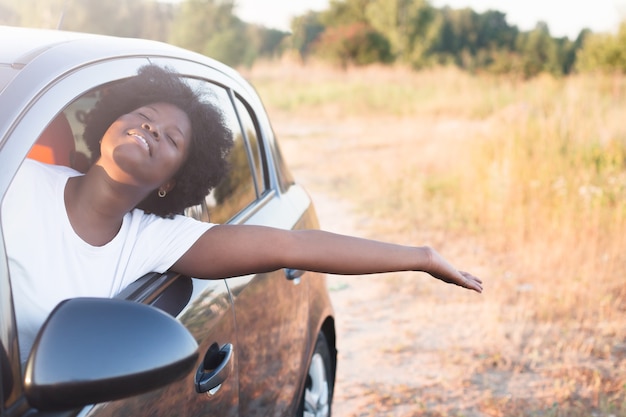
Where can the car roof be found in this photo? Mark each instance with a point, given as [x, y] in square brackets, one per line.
[22, 46]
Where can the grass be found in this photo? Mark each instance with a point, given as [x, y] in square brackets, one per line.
[531, 175]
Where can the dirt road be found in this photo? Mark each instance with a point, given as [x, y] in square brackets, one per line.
[393, 344]
[402, 338]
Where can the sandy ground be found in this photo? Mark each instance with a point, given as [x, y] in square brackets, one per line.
[411, 346]
[392, 343]
[402, 338]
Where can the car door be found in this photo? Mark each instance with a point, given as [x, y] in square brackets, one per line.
[204, 307]
[271, 308]
[208, 316]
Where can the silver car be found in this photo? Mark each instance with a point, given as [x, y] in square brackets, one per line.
[258, 345]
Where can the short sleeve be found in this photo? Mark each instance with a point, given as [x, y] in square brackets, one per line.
[163, 241]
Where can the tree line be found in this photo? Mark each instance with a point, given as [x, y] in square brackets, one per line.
[347, 33]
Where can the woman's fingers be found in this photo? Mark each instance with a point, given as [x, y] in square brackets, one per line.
[471, 282]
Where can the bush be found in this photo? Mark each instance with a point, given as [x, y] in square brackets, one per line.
[357, 44]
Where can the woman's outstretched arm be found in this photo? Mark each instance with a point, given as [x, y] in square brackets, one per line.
[231, 250]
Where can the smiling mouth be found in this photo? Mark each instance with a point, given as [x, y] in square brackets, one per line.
[142, 141]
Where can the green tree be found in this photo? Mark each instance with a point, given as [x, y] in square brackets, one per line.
[305, 30]
[345, 13]
[131, 18]
[357, 44]
[566, 50]
[156, 20]
[266, 42]
[603, 52]
[495, 32]
[411, 27]
[211, 28]
[539, 52]
[473, 40]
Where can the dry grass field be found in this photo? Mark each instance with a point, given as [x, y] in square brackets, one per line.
[521, 182]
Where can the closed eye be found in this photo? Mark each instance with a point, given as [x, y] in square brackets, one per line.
[171, 139]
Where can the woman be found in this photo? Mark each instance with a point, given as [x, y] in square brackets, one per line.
[156, 150]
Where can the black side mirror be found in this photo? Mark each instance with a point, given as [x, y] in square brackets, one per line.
[92, 350]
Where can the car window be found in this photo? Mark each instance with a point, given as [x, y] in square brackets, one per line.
[245, 181]
[237, 190]
[249, 125]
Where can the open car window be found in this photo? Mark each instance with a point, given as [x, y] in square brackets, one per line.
[245, 182]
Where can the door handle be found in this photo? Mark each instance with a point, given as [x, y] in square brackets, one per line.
[214, 369]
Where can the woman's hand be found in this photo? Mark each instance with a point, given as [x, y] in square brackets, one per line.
[442, 270]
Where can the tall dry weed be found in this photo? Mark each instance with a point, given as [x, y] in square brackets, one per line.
[535, 171]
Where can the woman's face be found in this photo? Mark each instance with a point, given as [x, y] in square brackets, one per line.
[147, 146]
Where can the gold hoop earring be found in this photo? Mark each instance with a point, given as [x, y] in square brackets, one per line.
[162, 193]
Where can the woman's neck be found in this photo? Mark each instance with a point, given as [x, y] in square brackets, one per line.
[96, 205]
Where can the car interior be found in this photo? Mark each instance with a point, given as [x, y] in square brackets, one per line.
[56, 145]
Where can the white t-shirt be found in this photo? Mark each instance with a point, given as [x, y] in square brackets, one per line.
[49, 262]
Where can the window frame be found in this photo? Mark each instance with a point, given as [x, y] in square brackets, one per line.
[263, 169]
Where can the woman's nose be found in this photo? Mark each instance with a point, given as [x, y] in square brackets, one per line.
[149, 128]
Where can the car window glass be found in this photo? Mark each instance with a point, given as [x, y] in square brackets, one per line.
[250, 128]
[284, 175]
[237, 190]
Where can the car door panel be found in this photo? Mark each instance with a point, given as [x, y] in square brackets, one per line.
[272, 314]
[209, 318]
[273, 355]
[271, 335]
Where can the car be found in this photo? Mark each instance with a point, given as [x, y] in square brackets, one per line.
[257, 345]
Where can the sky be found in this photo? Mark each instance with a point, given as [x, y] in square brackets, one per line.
[564, 17]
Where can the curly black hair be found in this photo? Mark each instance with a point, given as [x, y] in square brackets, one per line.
[211, 139]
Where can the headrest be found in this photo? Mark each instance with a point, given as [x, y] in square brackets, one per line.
[56, 146]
